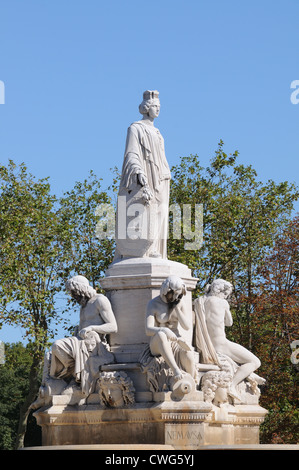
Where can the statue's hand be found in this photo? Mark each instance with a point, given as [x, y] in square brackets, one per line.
[83, 333]
[141, 178]
[178, 299]
[170, 334]
[147, 195]
[175, 302]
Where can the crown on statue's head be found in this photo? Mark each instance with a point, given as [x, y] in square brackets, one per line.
[150, 95]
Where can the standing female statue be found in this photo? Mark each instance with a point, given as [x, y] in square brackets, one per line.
[143, 199]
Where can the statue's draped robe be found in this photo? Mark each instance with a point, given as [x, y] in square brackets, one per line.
[144, 154]
[202, 341]
[80, 354]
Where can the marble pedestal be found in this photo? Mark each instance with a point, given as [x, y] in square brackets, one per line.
[183, 425]
[130, 284]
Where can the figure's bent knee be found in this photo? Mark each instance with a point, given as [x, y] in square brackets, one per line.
[257, 362]
[56, 346]
[161, 335]
[157, 342]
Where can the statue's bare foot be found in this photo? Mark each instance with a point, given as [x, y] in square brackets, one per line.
[154, 254]
[258, 379]
[38, 403]
[71, 388]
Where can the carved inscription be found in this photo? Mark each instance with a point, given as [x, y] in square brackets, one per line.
[183, 434]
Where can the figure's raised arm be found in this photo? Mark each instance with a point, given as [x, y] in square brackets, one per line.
[228, 319]
[150, 324]
[132, 165]
[182, 316]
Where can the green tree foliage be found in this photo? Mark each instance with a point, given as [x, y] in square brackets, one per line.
[241, 216]
[79, 210]
[32, 242]
[42, 241]
[275, 328]
[14, 380]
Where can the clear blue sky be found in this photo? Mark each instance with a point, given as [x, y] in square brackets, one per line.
[74, 73]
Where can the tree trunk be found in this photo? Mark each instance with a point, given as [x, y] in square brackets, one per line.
[249, 298]
[25, 408]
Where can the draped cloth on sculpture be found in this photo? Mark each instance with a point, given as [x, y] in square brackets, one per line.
[202, 340]
[158, 372]
[82, 356]
[144, 154]
[146, 146]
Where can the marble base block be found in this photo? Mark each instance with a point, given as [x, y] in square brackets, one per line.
[186, 425]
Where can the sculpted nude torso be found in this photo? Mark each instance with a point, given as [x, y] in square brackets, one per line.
[164, 314]
[70, 355]
[97, 316]
[218, 316]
